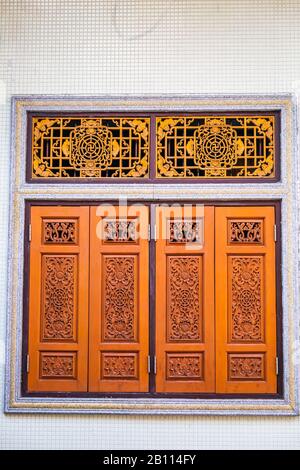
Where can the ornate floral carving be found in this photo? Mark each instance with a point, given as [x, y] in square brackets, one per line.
[184, 366]
[246, 303]
[119, 298]
[58, 292]
[245, 231]
[68, 147]
[215, 146]
[121, 231]
[246, 367]
[90, 148]
[57, 366]
[119, 366]
[184, 232]
[184, 299]
[59, 231]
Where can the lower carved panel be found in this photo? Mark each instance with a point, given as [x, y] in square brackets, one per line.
[55, 365]
[119, 365]
[184, 366]
[246, 366]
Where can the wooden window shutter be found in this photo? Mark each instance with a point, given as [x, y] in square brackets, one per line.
[58, 299]
[185, 300]
[119, 296]
[245, 300]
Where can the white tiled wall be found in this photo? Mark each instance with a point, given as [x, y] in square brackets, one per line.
[141, 46]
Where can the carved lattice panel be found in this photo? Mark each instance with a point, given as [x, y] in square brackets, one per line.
[185, 231]
[245, 231]
[60, 231]
[84, 147]
[215, 147]
[120, 231]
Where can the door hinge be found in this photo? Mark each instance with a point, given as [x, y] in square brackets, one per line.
[29, 232]
[149, 364]
[27, 363]
[275, 233]
[155, 233]
[149, 232]
[277, 365]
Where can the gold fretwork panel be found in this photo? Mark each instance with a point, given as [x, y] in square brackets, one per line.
[215, 146]
[81, 147]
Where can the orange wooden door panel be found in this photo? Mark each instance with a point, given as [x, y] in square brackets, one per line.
[58, 299]
[119, 298]
[185, 300]
[245, 300]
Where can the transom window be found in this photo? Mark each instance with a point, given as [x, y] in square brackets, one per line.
[198, 147]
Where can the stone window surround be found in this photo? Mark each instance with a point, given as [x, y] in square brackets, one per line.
[284, 190]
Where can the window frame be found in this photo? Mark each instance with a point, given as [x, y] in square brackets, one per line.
[284, 190]
[152, 393]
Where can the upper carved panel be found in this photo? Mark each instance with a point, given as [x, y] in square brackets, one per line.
[245, 231]
[77, 147]
[215, 147]
[60, 231]
[120, 231]
[185, 232]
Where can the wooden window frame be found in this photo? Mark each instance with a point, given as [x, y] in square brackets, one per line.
[152, 393]
[283, 190]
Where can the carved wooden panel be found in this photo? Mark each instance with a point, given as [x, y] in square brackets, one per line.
[58, 299]
[120, 231]
[58, 307]
[56, 365]
[215, 146]
[118, 365]
[119, 299]
[246, 367]
[184, 298]
[60, 231]
[184, 366]
[187, 231]
[82, 147]
[245, 231]
[246, 314]
[184, 341]
[246, 299]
